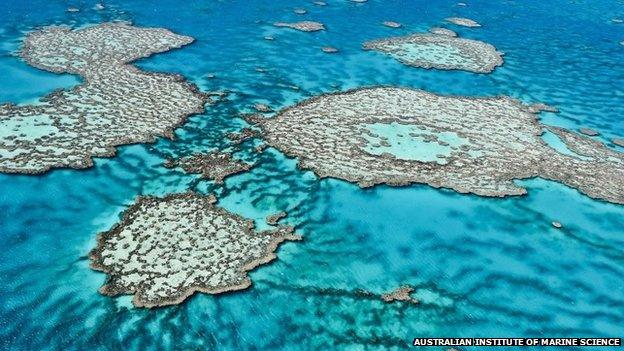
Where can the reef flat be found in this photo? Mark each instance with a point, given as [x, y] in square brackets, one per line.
[441, 50]
[166, 249]
[116, 104]
[399, 136]
[215, 165]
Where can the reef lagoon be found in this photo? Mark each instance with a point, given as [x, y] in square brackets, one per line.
[376, 266]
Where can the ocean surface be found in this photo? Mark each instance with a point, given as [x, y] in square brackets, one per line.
[482, 267]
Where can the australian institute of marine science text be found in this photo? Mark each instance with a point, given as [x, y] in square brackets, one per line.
[517, 342]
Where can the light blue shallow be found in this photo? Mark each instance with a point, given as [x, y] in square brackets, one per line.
[481, 267]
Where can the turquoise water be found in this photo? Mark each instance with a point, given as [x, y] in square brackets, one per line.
[482, 267]
[406, 142]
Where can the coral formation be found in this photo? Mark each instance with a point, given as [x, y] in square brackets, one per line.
[304, 26]
[392, 24]
[402, 293]
[215, 165]
[442, 31]
[166, 249]
[399, 136]
[264, 108]
[588, 132]
[274, 218]
[116, 104]
[428, 50]
[460, 21]
[239, 137]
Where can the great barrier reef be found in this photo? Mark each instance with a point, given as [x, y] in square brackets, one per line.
[312, 175]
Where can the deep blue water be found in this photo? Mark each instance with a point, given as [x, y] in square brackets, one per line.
[482, 267]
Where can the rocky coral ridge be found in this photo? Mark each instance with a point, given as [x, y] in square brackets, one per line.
[116, 104]
[441, 50]
[215, 165]
[165, 249]
[479, 145]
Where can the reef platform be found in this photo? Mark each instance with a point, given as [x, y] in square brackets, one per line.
[116, 104]
[399, 136]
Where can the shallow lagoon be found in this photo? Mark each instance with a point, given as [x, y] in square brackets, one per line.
[407, 142]
[482, 267]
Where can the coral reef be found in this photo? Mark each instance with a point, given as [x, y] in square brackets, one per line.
[274, 218]
[428, 50]
[166, 249]
[264, 108]
[399, 136]
[304, 26]
[239, 137]
[116, 104]
[215, 165]
[402, 293]
[442, 31]
[392, 24]
[588, 132]
[460, 21]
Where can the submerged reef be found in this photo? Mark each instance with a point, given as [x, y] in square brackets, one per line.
[215, 165]
[441, 51]
[165, 249]
[460, 21]
[329, 49]
[304, 26]
[276, 217]
[239, 137]
[402, 293]
[399, 136]
[264, 108]
[116, 104]
[588, 132]
[392, 24]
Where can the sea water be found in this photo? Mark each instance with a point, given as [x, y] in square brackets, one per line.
[481, 267]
